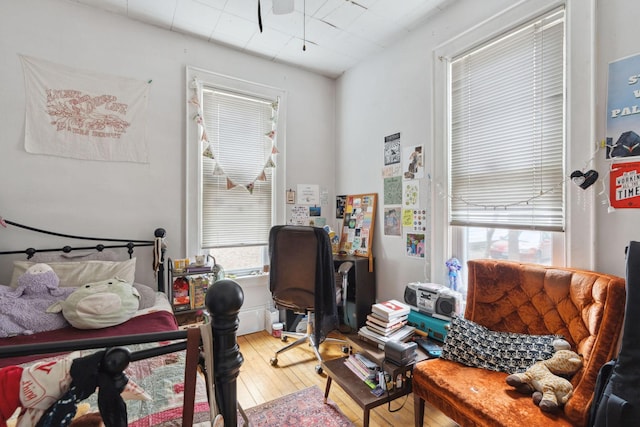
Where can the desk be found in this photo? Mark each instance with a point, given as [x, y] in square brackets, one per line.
[356, 388]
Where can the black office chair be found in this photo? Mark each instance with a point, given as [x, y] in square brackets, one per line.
[302, 279]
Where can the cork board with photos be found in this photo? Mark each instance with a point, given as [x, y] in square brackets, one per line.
[356, 237]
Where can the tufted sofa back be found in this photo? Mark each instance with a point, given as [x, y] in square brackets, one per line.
[585, 307]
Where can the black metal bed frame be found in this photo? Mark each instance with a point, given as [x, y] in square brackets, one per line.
[223, 300]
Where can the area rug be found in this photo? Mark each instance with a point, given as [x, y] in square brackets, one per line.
[304, 408]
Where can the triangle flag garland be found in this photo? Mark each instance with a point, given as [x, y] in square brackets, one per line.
[217, 170]
[270, 164]
[208, 151]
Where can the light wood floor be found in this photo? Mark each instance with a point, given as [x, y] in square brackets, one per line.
[260, 382]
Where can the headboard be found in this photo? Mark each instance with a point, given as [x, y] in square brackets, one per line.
[100, 244]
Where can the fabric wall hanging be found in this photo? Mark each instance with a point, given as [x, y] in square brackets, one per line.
[83, 114]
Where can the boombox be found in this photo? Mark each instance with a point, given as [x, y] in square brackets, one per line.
[433, 299]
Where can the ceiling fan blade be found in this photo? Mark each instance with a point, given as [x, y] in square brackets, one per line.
[259, 16]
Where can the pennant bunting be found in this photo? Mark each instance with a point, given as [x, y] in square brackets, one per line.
[209, 151]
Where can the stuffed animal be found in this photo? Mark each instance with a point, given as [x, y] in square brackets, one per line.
[39, 388]
[546, 380]
[454, 266]
[23, 310]
[100, 304]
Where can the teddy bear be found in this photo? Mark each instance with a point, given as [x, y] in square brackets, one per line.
[23, 310]
[545, 379]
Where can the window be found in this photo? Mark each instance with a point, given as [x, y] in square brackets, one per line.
[238, 133]
[507, 144]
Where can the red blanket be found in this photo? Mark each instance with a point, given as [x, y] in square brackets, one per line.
[159, 321]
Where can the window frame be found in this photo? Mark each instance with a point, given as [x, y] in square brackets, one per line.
[193, 166]
[580, 102]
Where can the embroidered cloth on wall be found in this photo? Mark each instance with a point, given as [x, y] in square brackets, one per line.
[82, 114]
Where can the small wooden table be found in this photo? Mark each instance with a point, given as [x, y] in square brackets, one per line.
[356, 388]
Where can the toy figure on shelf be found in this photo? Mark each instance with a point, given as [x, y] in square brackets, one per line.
[454, 267]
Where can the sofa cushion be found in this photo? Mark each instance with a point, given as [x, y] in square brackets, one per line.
[478, 397]
[475, 345]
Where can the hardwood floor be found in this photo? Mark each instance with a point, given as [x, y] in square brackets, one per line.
[260, 382]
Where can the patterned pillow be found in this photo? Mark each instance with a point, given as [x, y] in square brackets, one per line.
[474, 345]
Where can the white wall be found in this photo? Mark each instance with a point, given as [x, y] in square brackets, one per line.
[129, 200]
[393, 92]
[396, 92]
[617, 30]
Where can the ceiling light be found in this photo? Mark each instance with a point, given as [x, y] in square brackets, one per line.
[282, 7]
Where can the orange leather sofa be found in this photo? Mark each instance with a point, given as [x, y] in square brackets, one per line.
[585, 307]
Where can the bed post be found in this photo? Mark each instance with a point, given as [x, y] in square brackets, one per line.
[223, 300]
[160, 233]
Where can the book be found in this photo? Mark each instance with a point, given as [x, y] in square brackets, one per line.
[364, 372]
[384, 331]
[402, 334]
[390, 309]
[198, 286]
[193, 268]
[381, 323]
[355, 370]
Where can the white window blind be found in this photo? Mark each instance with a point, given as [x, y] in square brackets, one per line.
[237, 126]
[507, 130]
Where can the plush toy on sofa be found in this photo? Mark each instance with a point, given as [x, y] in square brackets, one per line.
[550, 390]
[23, 310]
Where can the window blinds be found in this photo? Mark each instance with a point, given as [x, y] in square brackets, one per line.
[237, 127]
[507, 130]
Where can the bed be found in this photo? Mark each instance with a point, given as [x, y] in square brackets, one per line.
[159, 368]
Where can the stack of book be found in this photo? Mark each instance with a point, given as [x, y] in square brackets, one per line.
[195, 268]
[364, 369]
[387, 322]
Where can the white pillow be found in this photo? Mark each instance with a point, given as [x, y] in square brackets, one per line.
[78, 273]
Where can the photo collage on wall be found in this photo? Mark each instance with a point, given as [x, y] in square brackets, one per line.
[405, 215]
[358, 224]
[306, 205]
[623, 133]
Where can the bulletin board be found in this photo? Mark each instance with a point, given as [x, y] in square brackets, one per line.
[356, 237]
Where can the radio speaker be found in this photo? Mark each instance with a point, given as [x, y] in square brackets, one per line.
[446, 305]
[410, 296]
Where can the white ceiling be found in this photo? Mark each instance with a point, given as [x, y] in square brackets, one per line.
[338, 33]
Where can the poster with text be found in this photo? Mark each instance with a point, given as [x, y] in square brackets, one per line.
[392, 149]
[624, 187]
[623, 108]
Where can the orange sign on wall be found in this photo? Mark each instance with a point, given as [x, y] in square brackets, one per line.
[624, 187]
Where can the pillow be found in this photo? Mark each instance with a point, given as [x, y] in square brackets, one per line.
[78, 273]
[99, 305]
[475, 345]
[91, 255]
[147, 295]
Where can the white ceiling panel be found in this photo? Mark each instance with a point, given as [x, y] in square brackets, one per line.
[195, 18]
[339, 33]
